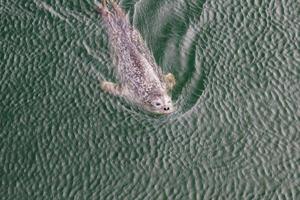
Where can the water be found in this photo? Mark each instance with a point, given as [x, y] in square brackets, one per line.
[235, 134]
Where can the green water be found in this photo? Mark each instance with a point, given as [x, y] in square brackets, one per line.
[236, 132]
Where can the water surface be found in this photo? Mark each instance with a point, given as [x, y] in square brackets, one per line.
[235, 134]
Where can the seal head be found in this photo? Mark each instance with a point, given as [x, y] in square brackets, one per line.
[159, 103]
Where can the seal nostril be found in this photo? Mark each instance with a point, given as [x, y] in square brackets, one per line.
[167, 108]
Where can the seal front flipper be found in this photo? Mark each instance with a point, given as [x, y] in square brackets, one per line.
[170, 81]
[112, 88]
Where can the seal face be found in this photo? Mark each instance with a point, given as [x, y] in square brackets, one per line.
[140, 79]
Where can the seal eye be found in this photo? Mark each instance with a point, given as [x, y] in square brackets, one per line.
[157, 104]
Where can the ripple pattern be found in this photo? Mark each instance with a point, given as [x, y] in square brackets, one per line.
[235, 134]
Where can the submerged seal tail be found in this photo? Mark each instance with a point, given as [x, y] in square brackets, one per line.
[115, 14]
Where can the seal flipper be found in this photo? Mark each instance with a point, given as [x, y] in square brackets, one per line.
[102, 9]
[116, 8]
[112, 88]
[170, 81]
[119, 12]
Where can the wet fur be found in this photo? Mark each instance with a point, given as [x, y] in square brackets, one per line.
[140, 79]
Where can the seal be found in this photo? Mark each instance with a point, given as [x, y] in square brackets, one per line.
[140, 79]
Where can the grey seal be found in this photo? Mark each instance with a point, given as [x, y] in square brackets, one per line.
[140, 79]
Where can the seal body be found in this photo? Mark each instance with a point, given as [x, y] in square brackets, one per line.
[140, 78]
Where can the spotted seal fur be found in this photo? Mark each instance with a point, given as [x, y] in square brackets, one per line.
[140, 79]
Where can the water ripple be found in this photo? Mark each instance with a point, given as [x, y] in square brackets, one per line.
[235, 134]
